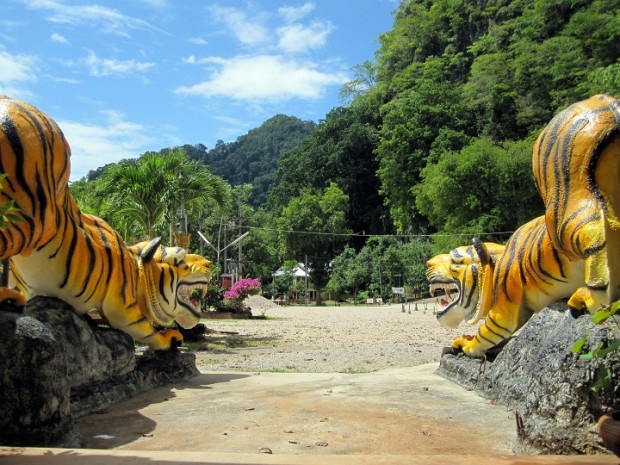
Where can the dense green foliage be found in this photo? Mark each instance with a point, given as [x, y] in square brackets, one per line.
[251, 159]
[451, 70]
[339, 151]
[435, 141]
[141, 198]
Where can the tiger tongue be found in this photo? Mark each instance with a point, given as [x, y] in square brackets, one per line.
[443, 302]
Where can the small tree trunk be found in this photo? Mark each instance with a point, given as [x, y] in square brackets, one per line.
[318, 296]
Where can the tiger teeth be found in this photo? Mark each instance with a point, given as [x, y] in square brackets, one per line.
[187, 291]
[447, 289]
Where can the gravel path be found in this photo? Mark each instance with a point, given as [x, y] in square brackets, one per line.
[346, 339]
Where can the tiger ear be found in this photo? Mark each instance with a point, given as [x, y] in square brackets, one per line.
[149, 250]
[482, 251]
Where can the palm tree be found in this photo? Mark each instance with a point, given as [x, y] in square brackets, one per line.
[148, 191]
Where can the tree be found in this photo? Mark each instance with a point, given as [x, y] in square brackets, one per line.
[147, 192]
[252, 158]
[484, 188]
[411, 124]
[341, 151]
[314, 224]
[347, 274]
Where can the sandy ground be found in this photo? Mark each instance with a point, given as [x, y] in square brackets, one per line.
[345, 339]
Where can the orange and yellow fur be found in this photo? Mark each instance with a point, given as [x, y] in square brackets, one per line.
[576, 163]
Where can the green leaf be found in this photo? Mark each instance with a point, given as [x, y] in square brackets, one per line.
[603, 379]
[614, 345]
[602, 315]
[578, 345]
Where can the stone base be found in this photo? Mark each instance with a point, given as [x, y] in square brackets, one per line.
[56, 367]
[549, 387]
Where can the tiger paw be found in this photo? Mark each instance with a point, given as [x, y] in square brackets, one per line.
[168, 339]
[584, 300]
[468, 345]
[10, 295]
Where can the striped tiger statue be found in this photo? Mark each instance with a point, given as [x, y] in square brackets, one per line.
[58, 251]
[504, 287]
[576, 164]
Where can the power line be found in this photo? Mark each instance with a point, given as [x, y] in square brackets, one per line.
[362, 234]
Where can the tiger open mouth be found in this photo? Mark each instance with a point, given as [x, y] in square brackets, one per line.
[451, 291]
[191, 296]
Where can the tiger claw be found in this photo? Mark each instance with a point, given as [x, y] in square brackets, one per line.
[450, 351]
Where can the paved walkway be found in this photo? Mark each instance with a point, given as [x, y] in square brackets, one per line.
[122, 457]
[395, 411]
[397, 416]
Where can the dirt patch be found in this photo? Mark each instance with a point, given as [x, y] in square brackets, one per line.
[347, 339]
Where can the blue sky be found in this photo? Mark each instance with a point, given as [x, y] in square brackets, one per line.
[122, 78]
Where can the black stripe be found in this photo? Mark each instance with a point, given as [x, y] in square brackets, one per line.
[495, 323]
[12, 136]
[108, 252]
[154, 333]
[120, 245]
[91, 263]
[70, 251]
[140, 320]
[173, 281]
[162, 283]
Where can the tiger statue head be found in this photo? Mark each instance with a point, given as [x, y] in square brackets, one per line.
[174, 282]
[457, 275]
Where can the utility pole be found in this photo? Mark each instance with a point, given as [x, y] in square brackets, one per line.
[306, 279]
[239, 265]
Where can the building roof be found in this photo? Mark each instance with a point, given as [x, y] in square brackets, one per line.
[299, 271]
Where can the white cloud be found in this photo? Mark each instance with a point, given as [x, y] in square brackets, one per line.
[264, 77]
[247, 31]
[295, 38]
[95, 145]
[59, 38]
[17, 68]
[106, 19]
[291, 13]
[194, 60]
[198, 41]
[156, 3]
[15, 72]
[109, 66]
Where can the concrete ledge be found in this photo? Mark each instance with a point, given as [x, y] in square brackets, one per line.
[46, 456]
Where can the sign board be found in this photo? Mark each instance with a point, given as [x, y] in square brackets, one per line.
[398, 290]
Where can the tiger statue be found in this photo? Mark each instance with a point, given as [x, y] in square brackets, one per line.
[576, 165]
[505, 288]
[57, 250]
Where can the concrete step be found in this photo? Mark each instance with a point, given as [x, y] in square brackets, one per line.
[45, 456]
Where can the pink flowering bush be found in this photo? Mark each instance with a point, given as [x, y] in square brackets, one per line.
[233, 297]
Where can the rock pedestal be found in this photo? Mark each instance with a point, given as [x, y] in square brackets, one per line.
[549, 387]
[55, 367]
